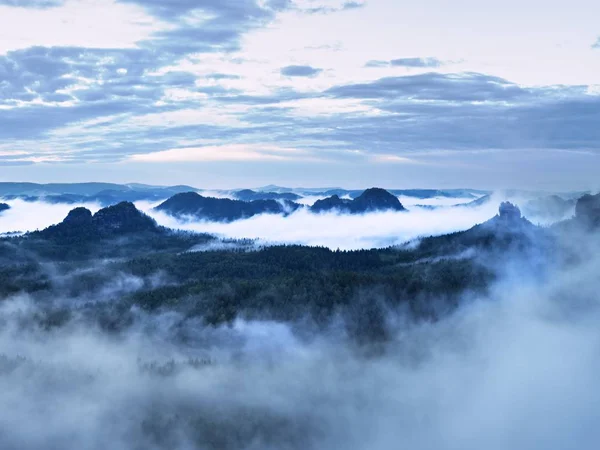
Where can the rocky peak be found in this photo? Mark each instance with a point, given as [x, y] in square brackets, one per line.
[509, 212]
[587, 210]
[114, 220]
[329, 203]
[377, 199]
[79, 216]
[374, 199]
[123, 217]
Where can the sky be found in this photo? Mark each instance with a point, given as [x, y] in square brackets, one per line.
[242, 93]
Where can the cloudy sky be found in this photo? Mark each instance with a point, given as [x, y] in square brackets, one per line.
[232, 93]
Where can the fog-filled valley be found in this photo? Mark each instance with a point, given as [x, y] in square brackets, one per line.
[425, 212]
[174, 318]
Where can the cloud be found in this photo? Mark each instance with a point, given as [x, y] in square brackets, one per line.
[84, 74]
[223, 76]
[224, 10]
[353, 5]
[326, 6]
[98, 24]
[393, 159]
[300, 71]
[41, 4]
[342, 231]
[422, 63]
[379, 229]
[597, 44]
[239, 152]
[435, 86]
[208, 25]
[30, 216]
[96, 105]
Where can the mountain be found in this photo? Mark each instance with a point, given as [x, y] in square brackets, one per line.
[551, 207]
[432, 193]
[505, 234]
[587, 211]
[105, 194]
[478, 202]
[147, 187]
[331, 203]
[586, 218]
[35, 189]
[121, 219]
[191, 204]
[509, 219]
[248, 195]
[374, 199]
[4, 207]
[300, 190]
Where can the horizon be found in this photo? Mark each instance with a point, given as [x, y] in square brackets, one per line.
[307, 188]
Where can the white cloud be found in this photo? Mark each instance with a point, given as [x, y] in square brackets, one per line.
[29, 216]
[341, 230]
[233, 152]
[80, 23]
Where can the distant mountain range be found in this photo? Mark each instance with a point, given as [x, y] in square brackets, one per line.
[193, 205]
[244, 203]
[249, 195]
[105, 194]
[122, 229]
[84, 189]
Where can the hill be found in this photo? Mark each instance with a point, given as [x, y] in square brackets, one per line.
[105, 194]
[374, 199]
[248, 195]
[191, 204]
[123, 218]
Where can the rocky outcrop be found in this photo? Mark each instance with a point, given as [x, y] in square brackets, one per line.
[587, 211]
[509, 212]
[123, 218]
[248, 195]
[191, 204]
[374, 199]
[550, 207]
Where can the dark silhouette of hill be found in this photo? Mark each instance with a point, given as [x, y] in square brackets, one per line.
[121, 219]
[84, 189]
[550, 207]
[587, 216]
[191, 204]
[507, 232]
[374, 199]
[477, 202]
[4, 207]
[105, 194]
[587, 211]
[248, 195]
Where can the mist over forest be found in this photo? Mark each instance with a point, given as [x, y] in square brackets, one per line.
[456, 322]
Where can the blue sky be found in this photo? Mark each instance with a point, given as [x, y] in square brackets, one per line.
[228, 93]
